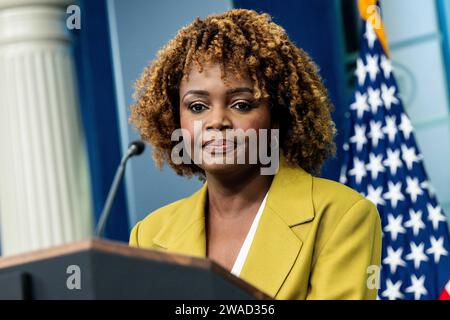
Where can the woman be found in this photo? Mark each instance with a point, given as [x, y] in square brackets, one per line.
[285, 231]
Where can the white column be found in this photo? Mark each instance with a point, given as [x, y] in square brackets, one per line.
[45, 196]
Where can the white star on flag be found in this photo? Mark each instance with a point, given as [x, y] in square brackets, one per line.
[359, 170]
[386, 66]
[393, 160]
[394, 193]
[394, 259]
[417, 254]
[390, 129]
[370, 35]
[413, 188]
[394, 226]
[392, 291]
[374, 99]
[435, 215]
[375, 134]
[375, 165]
[372, 66]
[388, 95]
[437, 248]
[417, 287]
[374, 195]
[360, 71]
[415, 221]
[360, 104]
[360, 137]
[405, 126]
[428, 186]
[409, 156]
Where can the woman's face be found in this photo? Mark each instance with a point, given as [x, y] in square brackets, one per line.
[211, 112]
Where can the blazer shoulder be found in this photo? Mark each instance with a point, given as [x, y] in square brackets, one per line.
[339, 207]
[324, 187]
[336, 197]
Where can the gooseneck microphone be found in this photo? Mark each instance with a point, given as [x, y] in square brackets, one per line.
[134, 149]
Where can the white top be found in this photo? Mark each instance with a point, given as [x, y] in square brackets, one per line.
[240, 260]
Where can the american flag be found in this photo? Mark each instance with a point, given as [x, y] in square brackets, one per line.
[383, 162]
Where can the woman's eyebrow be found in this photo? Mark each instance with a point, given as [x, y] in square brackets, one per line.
[239, 90]
[228, 92]
[198, 92]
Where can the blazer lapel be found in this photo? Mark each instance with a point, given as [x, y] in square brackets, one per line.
[276, 246]
[272, 254]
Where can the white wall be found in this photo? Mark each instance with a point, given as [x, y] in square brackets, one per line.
[415, 39]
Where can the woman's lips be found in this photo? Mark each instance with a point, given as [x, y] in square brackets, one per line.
[219, 146]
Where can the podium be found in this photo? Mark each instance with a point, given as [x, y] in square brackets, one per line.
[99, 269]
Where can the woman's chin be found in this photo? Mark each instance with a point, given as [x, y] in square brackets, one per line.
[221, 163]
[225, 171]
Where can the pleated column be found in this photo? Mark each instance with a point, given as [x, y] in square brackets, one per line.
[45, 196]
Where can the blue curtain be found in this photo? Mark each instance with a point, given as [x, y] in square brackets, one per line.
[98, 108]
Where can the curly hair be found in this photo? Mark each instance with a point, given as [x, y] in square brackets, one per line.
[281, 72]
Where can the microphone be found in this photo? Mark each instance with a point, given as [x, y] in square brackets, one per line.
[134, 149]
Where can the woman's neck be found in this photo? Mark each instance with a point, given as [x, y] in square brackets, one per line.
[229, 196]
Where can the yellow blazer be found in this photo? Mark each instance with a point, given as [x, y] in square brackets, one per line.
[316, 238]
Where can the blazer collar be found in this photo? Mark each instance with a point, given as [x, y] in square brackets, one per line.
[275, 246]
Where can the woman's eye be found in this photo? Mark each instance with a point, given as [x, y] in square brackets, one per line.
[197, 107]
[242, 106]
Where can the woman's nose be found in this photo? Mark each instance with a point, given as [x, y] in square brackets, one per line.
[218, 119]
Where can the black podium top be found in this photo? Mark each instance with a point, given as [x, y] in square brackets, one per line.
[99, 269]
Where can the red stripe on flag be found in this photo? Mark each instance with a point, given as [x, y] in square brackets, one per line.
[445, 295]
